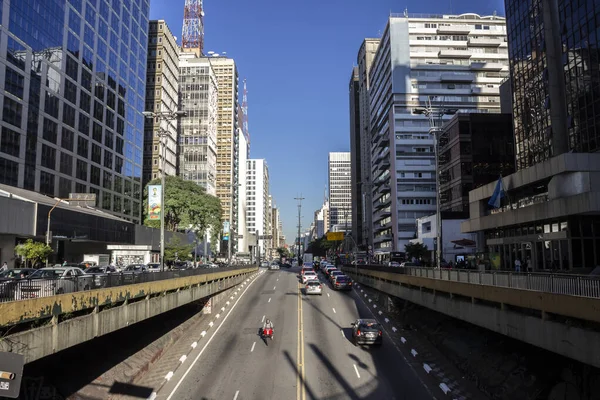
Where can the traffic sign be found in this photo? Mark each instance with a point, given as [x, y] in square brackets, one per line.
[335, 236]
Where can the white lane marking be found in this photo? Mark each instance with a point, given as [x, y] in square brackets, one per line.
[182, 358]
[380, 312]
[402, 339]
[152, 396]
[394, 329]
[231, 297]
[365, 295]
[413, 352]
[227, 303]
[342, 331]
[269, 300]
[222, 308]
[387, 320]
[211, 324]
[374, 305]
[252, 349]
[263, 319]
[444, 388]
[205, 346]
[237, 392]
[218, 316]
[274, 287]
[328, 295]
[334, 310]
[169, 375]
[361, 290]
[427, 368]
[356, 370]
[370, 300]
[203, 333]
[196, 343]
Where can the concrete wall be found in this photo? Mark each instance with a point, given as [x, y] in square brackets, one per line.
[570, 341]
[54, 337]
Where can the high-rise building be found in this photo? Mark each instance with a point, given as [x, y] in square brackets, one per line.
[257, 196]
[362, 204]
[322, 220]
[458, 61]
[243, 240]
[162, 85]
[197, 155]
[276, 230]
[340, 200]
[73, 97]
[269, 227]
[227, 140]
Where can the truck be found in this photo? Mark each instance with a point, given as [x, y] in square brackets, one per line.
[99, 260]
[307, 258]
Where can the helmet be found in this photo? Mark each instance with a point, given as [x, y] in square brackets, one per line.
[268, 321]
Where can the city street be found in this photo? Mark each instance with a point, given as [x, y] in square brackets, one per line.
[311, 356]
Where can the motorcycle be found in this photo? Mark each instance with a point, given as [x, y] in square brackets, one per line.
[267, 333]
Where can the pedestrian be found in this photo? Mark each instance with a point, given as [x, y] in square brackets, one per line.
[4, 267]
[517, 265]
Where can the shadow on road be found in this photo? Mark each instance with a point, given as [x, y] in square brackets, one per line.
[128, 389]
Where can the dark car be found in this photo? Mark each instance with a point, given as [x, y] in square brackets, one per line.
[8, 281]
[367, 331]
[100, 274]
[342, 282]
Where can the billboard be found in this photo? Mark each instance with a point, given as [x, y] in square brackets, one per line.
[154, 202]
[335, 236]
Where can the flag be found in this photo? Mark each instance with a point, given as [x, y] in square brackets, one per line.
[496, 199]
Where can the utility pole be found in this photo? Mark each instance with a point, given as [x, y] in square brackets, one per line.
[299, 198]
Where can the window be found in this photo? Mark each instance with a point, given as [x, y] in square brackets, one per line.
[82, 147]
[85, 101]
[50, 130]
[66, 164]
[84, 124]
[48, 157]
[9, 172]
[96, 153]
[69, 115]
[14, 82]
[47, 183]
[95, 175]
[12, 112]
[70, 91]
[64, 187]
[82, 169]
[97, 132]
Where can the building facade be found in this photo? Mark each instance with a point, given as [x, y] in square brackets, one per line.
[340, 197]
[198, 90]
[322, 220]
[257, 199]
[73, 80]
[162, 86]
[355, 158]
[457, 61]
[475, 149]
[243, 239]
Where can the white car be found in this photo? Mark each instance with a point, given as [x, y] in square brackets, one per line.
[53, 281]
[309, 276]
[314, 287]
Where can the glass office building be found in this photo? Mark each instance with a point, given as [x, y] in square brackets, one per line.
[72, 87]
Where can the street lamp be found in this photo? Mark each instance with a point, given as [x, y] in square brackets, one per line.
[233, 187]
[163, 116]
[435, 115]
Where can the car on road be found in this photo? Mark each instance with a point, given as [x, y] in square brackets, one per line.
[305, 269]
[366, 331]
[9, 279]
[309, 276]
[333, 274]
[313, 287]
[274, 266]
[329, 270]
[53, 281]
[100, 274]
[264, 264]
[342, 282]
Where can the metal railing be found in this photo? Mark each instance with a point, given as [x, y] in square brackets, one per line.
[573, 285]
[25, 289]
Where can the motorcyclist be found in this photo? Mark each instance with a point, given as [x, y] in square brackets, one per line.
[268, 325]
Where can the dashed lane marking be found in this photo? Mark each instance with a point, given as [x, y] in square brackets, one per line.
[413, 352]
[269, 300]
[169, 375]
[402, 339]
[252, 349]
[182, 358]
[237, 393]
[334, 310]
[356, 370]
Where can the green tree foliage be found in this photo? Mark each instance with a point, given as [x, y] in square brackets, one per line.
[176, 250]
[283, 252]
[187, 205]
[319, 247]
[416, 250]
[33, 252]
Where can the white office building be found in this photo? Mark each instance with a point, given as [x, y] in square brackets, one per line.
[340, 196]
[257, 199]
[243, 237]
[459, 61]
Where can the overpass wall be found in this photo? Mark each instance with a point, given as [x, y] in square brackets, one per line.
[570, 341]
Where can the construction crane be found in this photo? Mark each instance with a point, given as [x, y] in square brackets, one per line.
[192, 33]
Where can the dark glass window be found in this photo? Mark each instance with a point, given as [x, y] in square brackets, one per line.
[64, 187]
[51, 104]
[9, 172]
[31, 149]
[96, 153]
[15, 53]
[66, 164]
[12, 112]
[121, 108]
[85, 101]
[118, 184]
[98, 110]
[99, 92]
[82, 170]
[47, 183]
[118, 165]
[68, 115]
[120, 126]
[107, 181]
[97, 132]
[67, 139]
[80, 188]
[110, 119]
[73, 44]
[29, 181]
[110, 99]
[119, 146]
[82, 147]
[106, 200]
[50, 132]
[95, 175]
[108, 159]
[14, 82]
[84, 124]
[117, 204]
[86, 80]
[11, 142]
[70, 91]
[128, 189]
[109, 139]
[72, 69]
[48, 158]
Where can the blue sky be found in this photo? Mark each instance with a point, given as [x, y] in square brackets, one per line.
[297, 58]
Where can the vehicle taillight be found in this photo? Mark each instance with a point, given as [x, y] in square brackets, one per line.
[379, 333]
[358, 332]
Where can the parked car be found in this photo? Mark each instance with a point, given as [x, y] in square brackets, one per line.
[9, 279]
[366, 331]
[53, 281]
[154, 267]
[313, 287]
[274, 266]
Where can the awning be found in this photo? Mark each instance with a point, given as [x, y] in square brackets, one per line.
[464, 243]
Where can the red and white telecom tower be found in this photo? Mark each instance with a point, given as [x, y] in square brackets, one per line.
[192, 35]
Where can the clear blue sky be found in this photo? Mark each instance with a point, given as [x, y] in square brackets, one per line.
[297, 58]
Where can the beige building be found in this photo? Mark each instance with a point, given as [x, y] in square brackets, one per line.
[162, 85]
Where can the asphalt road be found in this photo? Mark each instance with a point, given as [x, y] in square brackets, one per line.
[311, 356]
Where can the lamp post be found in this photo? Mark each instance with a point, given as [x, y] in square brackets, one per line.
[163, 116]
[435, 115]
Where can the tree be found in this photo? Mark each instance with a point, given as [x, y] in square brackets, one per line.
[416, 250]
[33, 251]
[319, 247]
[175, 250]
[283, 252]
[187, 205]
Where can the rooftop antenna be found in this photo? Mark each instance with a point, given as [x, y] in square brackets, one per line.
[192, 35]
[406, 13]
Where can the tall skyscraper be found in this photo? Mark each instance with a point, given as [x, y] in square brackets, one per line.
[257, 195]
[162, 85]
[198, 129]
[459, 61]
[362, 204]
[73, 96]
[242, 204]
[340, 199]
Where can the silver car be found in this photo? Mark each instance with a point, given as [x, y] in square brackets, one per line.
[313, 287]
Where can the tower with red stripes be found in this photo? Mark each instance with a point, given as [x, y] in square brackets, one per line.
[192, 35]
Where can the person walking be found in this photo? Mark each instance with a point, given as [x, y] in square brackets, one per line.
[517, 265]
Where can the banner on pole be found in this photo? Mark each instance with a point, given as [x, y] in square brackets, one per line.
[154, 202]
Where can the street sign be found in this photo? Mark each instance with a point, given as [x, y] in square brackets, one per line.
[334, 236]
[85, 198]
[11, 373]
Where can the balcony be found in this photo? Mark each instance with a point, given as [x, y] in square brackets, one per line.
[454, 30]
[485, 42]
[485, 91]
[454, 54]
[385, 164]
[456, 77]
[489, 66]
[382, 204]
